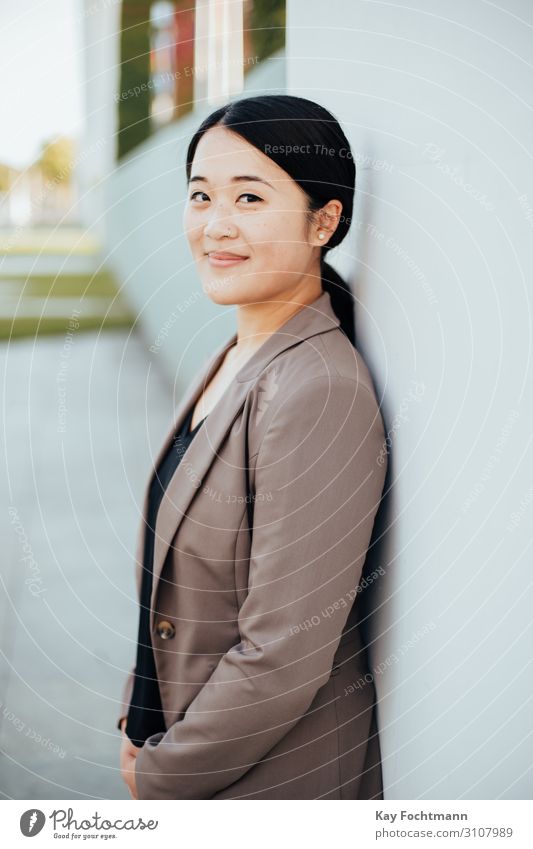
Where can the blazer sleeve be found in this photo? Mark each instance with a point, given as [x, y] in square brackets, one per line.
[318, 482]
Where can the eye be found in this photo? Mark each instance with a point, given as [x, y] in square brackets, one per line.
[249, 195]
[251, 198]
[193, 196]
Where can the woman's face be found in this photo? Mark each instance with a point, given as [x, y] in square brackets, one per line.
[246, 223]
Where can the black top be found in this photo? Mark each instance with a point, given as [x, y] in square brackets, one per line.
[145, 716]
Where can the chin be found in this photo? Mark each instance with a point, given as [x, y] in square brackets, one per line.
[220, 297]
[227, 290]
[220, 292]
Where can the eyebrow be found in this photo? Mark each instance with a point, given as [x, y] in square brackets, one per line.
[243, 178]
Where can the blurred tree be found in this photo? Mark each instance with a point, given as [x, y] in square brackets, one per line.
[57, 160]
[5, 177]
[134, 93]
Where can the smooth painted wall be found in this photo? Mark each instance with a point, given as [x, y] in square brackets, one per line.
[437, 101]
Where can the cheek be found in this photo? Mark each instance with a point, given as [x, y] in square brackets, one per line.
[285, 237]
[272, 230]
[191, 225]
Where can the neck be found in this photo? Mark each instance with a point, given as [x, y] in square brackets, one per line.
[256, 322]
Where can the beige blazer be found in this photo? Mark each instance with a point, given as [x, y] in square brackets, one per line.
[261, 668]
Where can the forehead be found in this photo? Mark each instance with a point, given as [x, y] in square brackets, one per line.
[222, 154]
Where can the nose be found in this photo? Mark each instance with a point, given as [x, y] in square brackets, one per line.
[219, 225]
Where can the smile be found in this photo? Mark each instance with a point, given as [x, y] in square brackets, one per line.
[221, 259]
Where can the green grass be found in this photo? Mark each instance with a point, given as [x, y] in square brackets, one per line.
[44, 304]
[48, 240]
[24, 327]
[101, 285]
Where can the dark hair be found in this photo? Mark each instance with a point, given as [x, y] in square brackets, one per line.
[307, 142]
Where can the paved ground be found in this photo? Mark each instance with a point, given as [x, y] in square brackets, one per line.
[82, 415]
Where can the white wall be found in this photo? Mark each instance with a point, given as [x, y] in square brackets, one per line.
[436, 98]
[145, 245]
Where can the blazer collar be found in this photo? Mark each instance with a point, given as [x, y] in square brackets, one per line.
[314, 318]
[311, 319]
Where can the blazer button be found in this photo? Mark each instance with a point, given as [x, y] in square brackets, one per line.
[166, 630]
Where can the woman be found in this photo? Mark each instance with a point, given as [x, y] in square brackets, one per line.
[251, 680]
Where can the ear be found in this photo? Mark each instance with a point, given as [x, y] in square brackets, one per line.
[327, 221]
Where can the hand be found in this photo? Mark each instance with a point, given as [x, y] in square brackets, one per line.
[128, 755]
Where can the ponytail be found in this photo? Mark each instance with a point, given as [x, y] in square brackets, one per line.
[342, 300]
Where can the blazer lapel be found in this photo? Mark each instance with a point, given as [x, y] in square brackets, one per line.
[189, 397]
[202, 451]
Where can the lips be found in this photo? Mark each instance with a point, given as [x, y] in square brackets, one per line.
[225, 258]
[225, 255]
